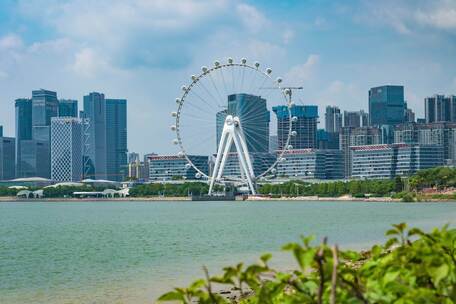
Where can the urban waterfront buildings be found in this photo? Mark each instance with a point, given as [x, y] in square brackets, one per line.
[390, 160]
[311, 164]
[386, 105]
[305, 126]
[172, 167]
[66, 149]
[7, 157]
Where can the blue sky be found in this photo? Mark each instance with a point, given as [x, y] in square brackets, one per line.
[144, 50]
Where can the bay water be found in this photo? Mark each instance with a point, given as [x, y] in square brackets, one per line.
[131, 252]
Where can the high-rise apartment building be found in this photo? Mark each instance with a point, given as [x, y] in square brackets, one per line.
[305, 126]
[357, 137]
[23, 121]
[95, 113]
[355, 119]
[66, 149]
[68, 108]
[116, 138]
[386, 105]
[441, 134]
[440, 108]
[7, 158]
[333, 119]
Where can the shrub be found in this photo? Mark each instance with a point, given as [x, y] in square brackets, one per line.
[411, 267]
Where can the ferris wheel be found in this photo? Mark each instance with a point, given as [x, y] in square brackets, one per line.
[237, 114]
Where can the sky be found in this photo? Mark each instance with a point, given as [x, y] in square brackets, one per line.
[145, 50]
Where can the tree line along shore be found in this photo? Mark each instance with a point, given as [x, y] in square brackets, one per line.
[430, 184]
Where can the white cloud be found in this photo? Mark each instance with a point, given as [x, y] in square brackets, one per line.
[299, 74]
[10, 42]
[443, 16]
[287, 36]
[88, 63]
[251, 17]
[407, 16]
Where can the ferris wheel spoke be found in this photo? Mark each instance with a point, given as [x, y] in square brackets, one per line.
[210, 95]
[216, 89]
[203, 100]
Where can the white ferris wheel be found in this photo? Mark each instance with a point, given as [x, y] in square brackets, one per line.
[239, 115]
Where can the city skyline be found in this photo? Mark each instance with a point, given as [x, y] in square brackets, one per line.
[336, 51]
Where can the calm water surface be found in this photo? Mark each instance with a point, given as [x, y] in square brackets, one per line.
[130, 252]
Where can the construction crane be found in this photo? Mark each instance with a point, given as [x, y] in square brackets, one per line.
[287, 90]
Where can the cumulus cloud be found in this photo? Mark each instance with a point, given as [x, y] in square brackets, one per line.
[10, 41]
[299, 74]
[407, 17]
[251, 17]
[88, 63]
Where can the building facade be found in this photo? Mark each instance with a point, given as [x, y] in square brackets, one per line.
[169, 167]
[311, 164]
[35, 159]
[386, 105]
[440, 108]
[116, 138]
[68, 108]
[305, 126]
[390, 160]
[66, 149]
[7, 158]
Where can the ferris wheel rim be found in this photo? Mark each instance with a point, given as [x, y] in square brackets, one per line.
[206, 71]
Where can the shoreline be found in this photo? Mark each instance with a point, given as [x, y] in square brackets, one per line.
[239, 199]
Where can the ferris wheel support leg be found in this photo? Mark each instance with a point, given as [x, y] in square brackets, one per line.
[226, 152]
[221, 147]
[243, 162]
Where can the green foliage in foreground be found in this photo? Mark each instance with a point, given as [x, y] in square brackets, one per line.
[167, 189]
[5, 191]
[333, 189]
[411, 267]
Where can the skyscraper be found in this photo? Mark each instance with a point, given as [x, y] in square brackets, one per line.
[440, 108]
[386, 105]
[95, 112]
[1, 131]
[305, 126]
[355, 119]
[7, 157]
[68, 108]
[116, 138]
[333, 119]
[44, 106]
[23, 120]
[66, 149]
